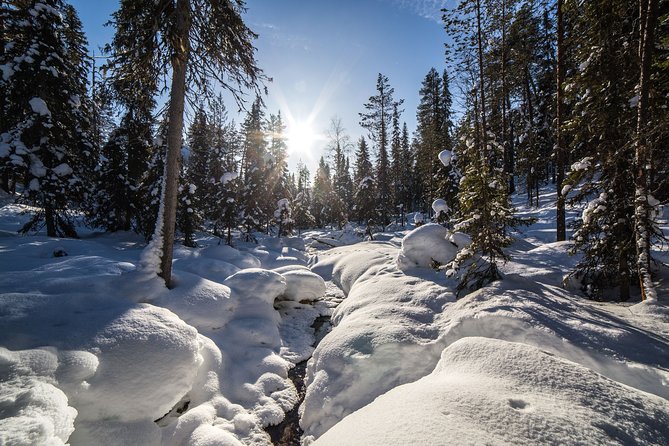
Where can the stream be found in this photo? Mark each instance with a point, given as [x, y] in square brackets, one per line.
[289, 432]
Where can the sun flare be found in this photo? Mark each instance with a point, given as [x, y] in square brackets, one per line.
[300, 137]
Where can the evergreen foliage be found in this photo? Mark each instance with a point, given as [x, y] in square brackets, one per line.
[45, 139]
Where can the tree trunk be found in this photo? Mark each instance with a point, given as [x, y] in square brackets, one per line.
[642, 153]
[561, 232]
[50, 219]
[174, 135]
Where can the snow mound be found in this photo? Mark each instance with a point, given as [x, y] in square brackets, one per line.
[487, 391]
[260, 283]
[425, 245]
[148, 360]
[202, 303]
[212, 269]
[439, 205]
[386, 316]
[460, 239]
[303, 285]
[231, 255]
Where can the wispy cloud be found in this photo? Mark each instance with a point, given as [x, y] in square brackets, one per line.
[280, 38]
[428, 9]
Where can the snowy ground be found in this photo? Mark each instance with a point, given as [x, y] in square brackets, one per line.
[94, 352]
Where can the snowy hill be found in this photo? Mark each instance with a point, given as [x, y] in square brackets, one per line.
[92, 351]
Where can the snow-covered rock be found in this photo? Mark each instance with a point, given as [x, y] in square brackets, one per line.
[303, 285]
[258, 283]
[425, 245]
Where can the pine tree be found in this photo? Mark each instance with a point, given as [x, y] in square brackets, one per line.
[603, 126]
[302, 202]
[45, 139]
[194, 190]
[321, 200]
[377, 121]
[277, 167]
[224, 181]
[338, 146]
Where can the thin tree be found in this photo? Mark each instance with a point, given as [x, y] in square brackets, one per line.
[643, 206]
[200, 43]
[559, 142]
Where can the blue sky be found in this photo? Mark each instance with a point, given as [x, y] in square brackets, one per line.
[324, 58]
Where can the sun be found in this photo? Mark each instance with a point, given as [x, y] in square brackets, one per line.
[300, 137]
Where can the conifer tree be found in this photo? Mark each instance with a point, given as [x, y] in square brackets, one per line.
[603, 126]
[302, 201]
[377, 120]
[253, 170]
[338, 146]
[45, 139]
[485, 213]
[322, 194]
[364, 185]
[433, 135]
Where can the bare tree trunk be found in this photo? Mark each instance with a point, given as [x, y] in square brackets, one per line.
[174, 135]
[648, 12]
[561, 233]
[50, 219]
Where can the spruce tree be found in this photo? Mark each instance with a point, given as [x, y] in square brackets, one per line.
[364, 185]
[45, 139]
[302, 201]
[254, 170]
[602, 126]
[484, 208]
[433, 136]
[377, 120]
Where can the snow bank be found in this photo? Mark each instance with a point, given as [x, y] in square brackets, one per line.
[386, 316]
[393, 327]
[126, 351]
[426, 245]
[486, 391]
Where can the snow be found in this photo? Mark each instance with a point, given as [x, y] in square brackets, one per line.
[39, 106]
[62, 169]
[583, 164]
[489, 391]
[446, 157]
[439, 205]
[228, 176]
[93, 350]
[426, 245]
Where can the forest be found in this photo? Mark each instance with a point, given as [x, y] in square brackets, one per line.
[552, 92]
[547, 117]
